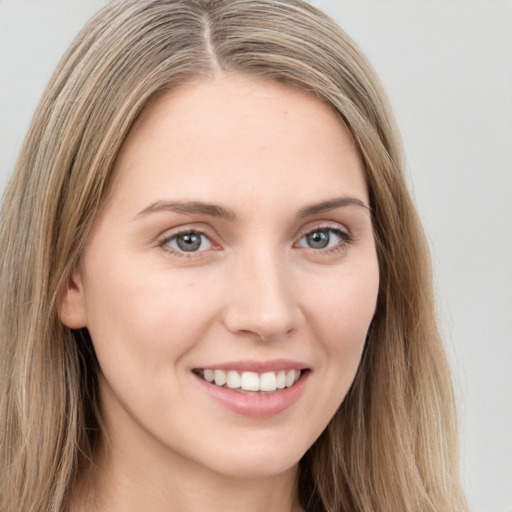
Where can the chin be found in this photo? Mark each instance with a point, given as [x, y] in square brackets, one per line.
[257, 469]
[259, 460]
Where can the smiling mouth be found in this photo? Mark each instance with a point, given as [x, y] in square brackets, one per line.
[251, 382]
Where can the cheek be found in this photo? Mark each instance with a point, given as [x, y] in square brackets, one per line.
[339, 315]
[143, 320]
[340, 322]
[344, 309]
[143, 328]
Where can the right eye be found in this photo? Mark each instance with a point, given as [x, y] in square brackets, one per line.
[187, 242]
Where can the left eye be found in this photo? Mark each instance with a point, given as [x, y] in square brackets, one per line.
[191, 241]
[323, 238]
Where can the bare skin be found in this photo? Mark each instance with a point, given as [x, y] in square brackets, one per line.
[237, 236]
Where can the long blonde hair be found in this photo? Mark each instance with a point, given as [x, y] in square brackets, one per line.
[392, 446]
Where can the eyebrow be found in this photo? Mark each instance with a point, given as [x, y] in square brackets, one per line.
[214, 210]
[332, 204]
[189, 208]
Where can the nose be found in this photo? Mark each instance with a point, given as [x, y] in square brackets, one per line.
[262, 298]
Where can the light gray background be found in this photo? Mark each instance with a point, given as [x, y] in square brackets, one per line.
[447, 67]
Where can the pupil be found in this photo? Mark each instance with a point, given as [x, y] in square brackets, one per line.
[318, 239]
[189, 242]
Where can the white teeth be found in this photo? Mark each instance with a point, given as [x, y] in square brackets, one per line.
[220, 378]
[290, 378]
[233, 379]
[209, 375]
[268, 381]
[252, 381]
[281, 380]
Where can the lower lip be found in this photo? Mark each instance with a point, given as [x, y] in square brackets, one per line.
[256, 405]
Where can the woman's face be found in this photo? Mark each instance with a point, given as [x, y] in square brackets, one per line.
[236, 245]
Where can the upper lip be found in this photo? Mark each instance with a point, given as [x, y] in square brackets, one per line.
[250, 365]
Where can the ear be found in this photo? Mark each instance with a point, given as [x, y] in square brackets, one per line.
[71, 302]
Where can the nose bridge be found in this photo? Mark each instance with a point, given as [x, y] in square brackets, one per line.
[262, 296]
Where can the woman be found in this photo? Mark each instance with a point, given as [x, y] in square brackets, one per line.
[216, 289]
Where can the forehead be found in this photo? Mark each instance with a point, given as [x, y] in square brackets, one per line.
[237, 134]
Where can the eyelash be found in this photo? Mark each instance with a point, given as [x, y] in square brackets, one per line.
[345, 240]
[164, 243]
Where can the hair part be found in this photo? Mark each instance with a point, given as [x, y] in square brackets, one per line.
[392, 444]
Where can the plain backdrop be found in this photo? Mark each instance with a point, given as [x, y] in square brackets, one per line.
[447, 67]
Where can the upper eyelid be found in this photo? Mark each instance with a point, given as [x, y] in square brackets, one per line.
[336, 226]
[163, 243]
[346, 237]
[170, 233]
